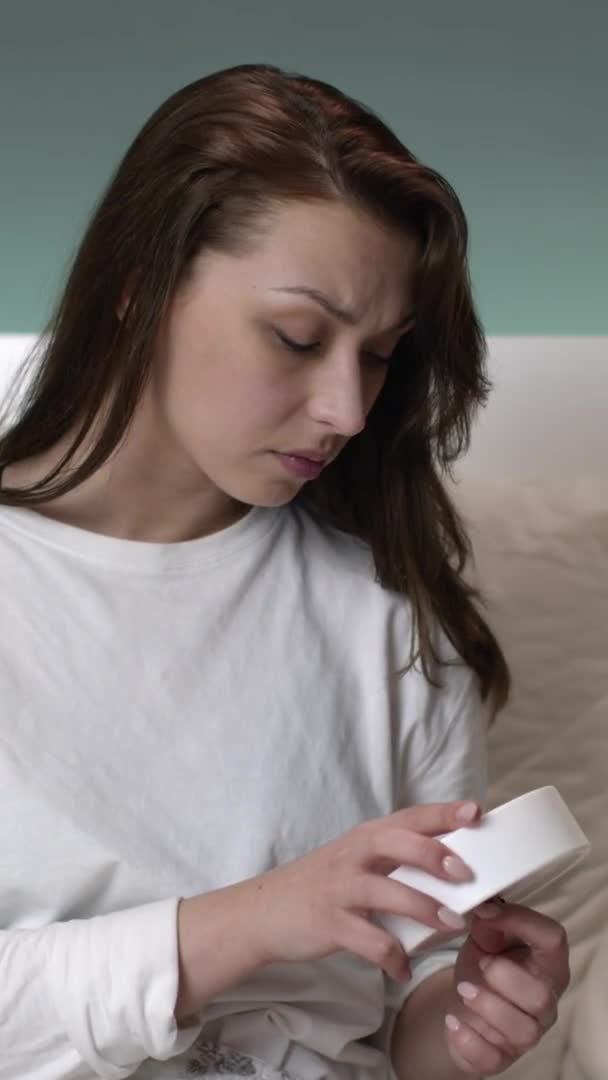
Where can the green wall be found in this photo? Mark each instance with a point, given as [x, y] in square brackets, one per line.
[507, 99]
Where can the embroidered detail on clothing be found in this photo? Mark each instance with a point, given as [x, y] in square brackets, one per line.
[212, 1060]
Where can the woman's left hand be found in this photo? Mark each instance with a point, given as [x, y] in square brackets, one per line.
[504, 1005]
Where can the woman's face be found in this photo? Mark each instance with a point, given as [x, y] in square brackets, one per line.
[231, 395]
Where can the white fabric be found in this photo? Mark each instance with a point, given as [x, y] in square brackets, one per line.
[176, 718]
[542, 560]
[588, 1051]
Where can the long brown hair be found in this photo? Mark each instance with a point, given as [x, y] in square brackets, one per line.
[202, 173]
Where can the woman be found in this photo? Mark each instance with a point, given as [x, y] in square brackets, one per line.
[242, 676]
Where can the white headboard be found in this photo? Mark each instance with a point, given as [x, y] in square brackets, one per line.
[547, 414]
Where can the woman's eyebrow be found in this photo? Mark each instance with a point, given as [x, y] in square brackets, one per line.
[344, 314]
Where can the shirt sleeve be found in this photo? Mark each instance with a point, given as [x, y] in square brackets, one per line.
[442, 756]
[91, 997]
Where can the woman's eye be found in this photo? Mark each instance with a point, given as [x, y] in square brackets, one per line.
[297, 346]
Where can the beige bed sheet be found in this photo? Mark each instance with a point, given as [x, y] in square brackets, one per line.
[542, 559]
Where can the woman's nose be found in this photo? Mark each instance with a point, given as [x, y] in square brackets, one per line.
[340, 397]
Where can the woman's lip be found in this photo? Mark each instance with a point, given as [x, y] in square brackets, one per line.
[305, 457]
[301, 466]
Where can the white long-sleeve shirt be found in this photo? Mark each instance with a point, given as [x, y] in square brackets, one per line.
[175, 718]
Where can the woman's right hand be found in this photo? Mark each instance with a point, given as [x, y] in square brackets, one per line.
[319, 903]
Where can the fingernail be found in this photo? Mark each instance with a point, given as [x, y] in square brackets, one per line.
[485, 962]
[467, 990]
[451, 918]
[456, 868]
[488, 911]
[467, 811]
[451, 1022]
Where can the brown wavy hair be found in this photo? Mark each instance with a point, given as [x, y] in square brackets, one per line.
[203, 172]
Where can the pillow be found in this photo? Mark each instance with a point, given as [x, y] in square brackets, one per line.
[541, 558]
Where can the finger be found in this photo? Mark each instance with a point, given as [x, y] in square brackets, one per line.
[532, 994]
[373, 893]
[377, 946]
[487, 936]
[486, 1031]
[546, 938]
[434, 818]
[542, 934]
[471, 1052]
[388, 847]
[518, 1029]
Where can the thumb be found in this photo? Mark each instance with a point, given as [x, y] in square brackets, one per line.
[487, 938]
